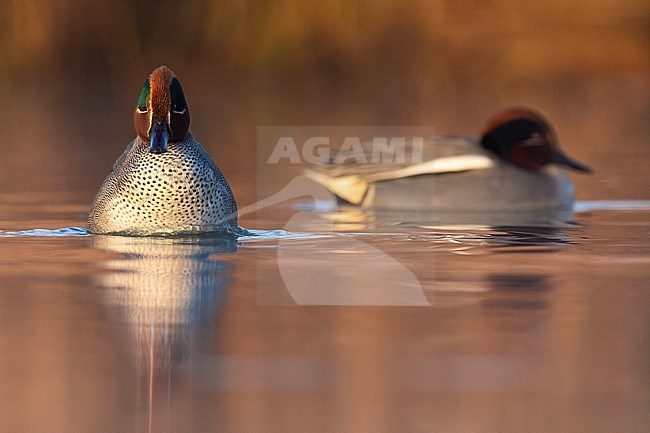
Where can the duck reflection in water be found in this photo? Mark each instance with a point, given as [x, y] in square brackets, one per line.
[524, 229]
[164, 293]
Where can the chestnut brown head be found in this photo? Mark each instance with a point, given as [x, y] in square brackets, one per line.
[524, 138]
[161, 116]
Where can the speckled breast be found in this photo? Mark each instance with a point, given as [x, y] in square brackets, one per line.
[181, 190]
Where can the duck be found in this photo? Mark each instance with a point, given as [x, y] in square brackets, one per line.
[514, 165]
[164, 182]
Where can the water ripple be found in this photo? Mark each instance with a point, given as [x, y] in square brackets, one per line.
[63, 232]
[242, 234]
[586, 206]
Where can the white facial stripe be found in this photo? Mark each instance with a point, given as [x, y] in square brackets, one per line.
[150, 121]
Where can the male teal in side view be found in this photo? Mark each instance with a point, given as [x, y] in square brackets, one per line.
[510, 167]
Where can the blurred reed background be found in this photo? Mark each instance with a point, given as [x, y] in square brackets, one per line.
[71, 72]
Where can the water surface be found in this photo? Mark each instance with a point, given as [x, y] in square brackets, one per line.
[358, 324]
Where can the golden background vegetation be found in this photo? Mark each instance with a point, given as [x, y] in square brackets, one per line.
[71, 72]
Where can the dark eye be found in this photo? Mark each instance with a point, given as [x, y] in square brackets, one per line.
[178, 97]
[144, 96]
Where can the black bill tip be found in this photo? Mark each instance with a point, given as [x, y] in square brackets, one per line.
[159, 137]
[560, 157]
